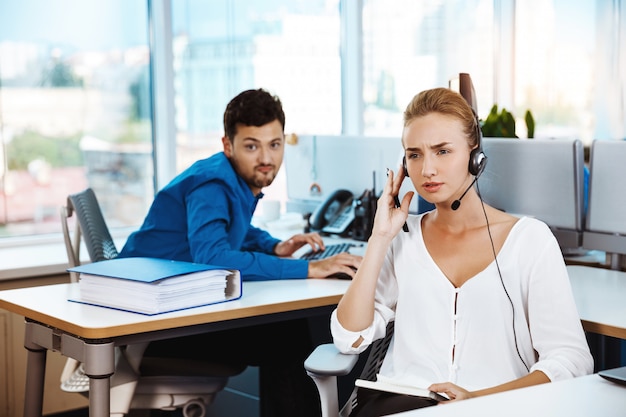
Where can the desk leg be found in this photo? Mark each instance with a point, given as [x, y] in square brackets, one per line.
[99, 363]
[99, 397]
[35, 374]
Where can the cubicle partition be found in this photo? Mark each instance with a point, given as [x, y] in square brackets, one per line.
[538, 178]
[605, 227]
[542, 178]
[318, 165]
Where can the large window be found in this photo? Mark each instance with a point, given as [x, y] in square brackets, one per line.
[570, 67]
[562, 60]
[409, 46]
[222, 48]
[75, 81]
[74, 110]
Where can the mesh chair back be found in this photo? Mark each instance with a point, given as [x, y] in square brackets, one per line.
[91, 227]
[96, 236]
[374, 361]
[377, 354]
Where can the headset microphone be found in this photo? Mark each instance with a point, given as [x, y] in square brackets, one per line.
[457, 203]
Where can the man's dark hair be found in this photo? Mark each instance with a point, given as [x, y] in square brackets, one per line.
[252, 108]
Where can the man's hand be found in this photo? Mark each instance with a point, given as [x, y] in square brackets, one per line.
[346, 263]
[289, 246]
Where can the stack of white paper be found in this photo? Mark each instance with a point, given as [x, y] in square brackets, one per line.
[152, 286]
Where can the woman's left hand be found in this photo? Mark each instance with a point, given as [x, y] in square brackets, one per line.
[453, 392]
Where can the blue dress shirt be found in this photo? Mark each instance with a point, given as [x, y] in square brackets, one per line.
[203, 215]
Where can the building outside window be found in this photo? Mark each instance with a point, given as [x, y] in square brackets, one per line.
[569, 67]
[75, 84]
[410, 46]
[74, 111]
[562, 60]
[290, 48]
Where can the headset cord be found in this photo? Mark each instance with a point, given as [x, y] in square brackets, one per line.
[495, 257]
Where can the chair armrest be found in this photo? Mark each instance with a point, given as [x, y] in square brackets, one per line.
[323, 365]
[326, 360]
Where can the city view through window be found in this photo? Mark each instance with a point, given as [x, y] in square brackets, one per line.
[77, 108]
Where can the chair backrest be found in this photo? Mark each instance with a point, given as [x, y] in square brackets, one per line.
[377, 352]
[90, 224]
[377, 355]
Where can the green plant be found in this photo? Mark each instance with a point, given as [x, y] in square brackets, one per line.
[502, 124]
[530, 124]
[499, 124]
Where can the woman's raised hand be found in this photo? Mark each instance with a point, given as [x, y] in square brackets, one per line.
[389, 218]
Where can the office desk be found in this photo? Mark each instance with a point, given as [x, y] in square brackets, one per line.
[600, 296]
[585, 396]
[90, 334]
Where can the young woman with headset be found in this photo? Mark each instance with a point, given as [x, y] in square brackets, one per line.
[481, 299]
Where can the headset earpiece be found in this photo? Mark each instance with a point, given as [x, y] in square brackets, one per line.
[477, 162]
[478, 159]
[406, 171]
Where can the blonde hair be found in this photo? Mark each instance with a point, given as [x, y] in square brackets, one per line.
[447, 102]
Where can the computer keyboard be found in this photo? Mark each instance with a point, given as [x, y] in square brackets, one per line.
[329, 250]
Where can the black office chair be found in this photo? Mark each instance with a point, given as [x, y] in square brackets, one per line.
[139, 382]
[326, 363]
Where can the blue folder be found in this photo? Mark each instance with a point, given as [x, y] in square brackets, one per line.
[142, 269]
[154, 286]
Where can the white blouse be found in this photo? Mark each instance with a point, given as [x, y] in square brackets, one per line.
[468, 335]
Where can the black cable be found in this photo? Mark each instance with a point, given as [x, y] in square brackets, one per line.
[495, 257]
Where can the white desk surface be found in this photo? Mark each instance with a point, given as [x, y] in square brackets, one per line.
[89, 333]
[600, 296]
[587, 396]
[49, 304]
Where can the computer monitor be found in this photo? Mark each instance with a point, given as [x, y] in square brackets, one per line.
[605, 228]
[540, 178]
[317, 165]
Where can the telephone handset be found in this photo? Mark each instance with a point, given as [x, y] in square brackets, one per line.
[335, 214]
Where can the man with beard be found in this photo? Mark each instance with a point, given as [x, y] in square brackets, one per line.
[203, 215]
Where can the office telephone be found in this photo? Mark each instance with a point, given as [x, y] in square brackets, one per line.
[364, 212]
[335, 214]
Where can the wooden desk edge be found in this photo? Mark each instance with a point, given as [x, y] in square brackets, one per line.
[168, 323]
[604, 329]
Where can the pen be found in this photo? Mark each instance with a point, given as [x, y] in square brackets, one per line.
[397, 203]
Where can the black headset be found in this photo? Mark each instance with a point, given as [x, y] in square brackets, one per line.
[477, 160]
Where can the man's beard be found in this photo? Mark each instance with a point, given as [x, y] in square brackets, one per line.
[262, 181]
